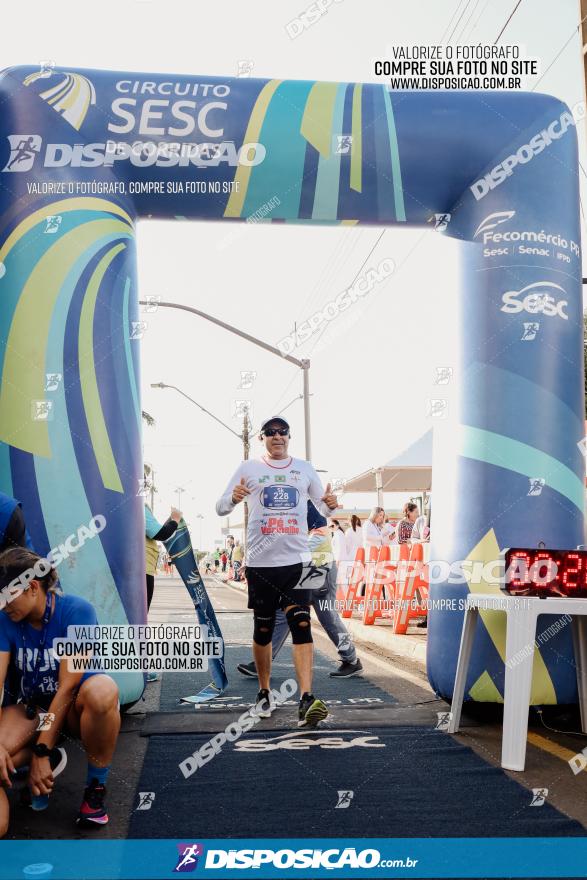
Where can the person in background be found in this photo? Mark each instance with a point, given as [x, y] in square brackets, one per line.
[154, 532]
[238, 555]
[354, 538]
[216, 560]
[376, 532]
[338, 541]
[421, 535]
[13, 531]
[406, 523]
[208, 565]
[224, 560]
[420, 532]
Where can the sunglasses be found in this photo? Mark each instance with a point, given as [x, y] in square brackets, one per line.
[271, 432]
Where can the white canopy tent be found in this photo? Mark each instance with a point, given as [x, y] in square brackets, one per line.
[410, 471]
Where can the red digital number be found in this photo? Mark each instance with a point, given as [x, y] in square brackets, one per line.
[519, 575]
[544, 570]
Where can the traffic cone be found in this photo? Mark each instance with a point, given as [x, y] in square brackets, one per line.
[356, 580]
[412, 581]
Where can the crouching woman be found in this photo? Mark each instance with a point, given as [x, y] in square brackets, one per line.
[84, 705]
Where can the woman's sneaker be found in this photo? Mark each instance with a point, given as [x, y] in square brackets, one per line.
[93, 811]
[262, 704]
[311, 711]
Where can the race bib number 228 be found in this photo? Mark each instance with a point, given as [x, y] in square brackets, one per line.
[280, 497]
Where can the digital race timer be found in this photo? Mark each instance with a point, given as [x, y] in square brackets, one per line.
[541, 572]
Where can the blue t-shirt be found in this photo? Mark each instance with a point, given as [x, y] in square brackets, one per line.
[151, 524]
[69, 611]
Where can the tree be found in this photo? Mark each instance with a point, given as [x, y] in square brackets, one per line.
[148, 474]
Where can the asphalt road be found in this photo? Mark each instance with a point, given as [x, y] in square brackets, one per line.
[414, 703]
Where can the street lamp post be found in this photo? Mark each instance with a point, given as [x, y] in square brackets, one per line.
[201, 518]
[179, 491]
[303, 364]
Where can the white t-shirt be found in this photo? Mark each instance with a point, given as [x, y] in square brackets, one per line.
[420, 532]
[277, 532]
[377, 536]
[338, 545]
[354, 540]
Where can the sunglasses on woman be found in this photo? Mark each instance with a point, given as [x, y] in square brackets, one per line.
[271, 432]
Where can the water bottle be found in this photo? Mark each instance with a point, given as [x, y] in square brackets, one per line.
[40, 871]
[39, 802]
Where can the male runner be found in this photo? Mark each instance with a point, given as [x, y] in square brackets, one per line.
[277, 488]
[323, 602]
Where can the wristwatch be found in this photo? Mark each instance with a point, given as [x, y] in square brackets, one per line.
[41, 750]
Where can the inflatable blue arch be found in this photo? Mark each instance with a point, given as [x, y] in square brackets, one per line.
[84, 154]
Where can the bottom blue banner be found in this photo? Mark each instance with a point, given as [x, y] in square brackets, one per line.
[304, 858]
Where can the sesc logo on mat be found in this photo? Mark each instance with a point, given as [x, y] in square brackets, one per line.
[331, 739]
[24, 149]
[187, 860]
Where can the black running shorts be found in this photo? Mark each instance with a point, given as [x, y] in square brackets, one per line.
[273, 588]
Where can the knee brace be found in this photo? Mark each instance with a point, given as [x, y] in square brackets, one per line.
[263, 628]
[298, 619]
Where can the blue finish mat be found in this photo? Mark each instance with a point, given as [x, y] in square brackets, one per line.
[404, 782]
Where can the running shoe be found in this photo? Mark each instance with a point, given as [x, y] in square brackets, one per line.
[311, 711]
[346, 670]
[262, 705]
[249, 669]
[152, 676]
[92, 811]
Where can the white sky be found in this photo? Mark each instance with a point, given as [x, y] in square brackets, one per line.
[371, 383]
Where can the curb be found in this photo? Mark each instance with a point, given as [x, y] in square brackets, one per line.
[410, 646]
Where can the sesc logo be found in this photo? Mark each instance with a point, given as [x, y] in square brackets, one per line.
[23, 151]
[541, 297]
[332, 739]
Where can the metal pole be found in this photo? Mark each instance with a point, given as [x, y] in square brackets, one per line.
[307, 431]
[379, 486]
[247, 449]
[272, 348]
[195, 402]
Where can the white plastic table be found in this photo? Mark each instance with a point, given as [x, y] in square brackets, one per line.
[522, 616]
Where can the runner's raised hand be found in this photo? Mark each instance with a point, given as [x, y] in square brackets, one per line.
[329, 498]
[240, 491]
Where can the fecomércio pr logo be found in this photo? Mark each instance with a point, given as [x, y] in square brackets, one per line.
[188, 855]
